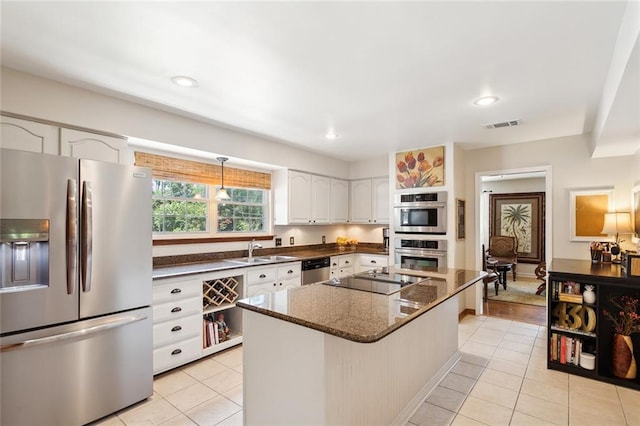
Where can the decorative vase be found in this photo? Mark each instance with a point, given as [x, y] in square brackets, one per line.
[622, 360]
[589, 295]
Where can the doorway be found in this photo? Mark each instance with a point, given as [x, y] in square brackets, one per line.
[531, 179]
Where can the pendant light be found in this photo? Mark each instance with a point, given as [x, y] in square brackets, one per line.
[222, 194]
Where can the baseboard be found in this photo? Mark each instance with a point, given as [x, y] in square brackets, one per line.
[465, 313]
[411, 408]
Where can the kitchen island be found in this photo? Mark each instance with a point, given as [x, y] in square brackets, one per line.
[322, 354]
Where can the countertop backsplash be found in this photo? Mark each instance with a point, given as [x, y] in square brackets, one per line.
[329, 249]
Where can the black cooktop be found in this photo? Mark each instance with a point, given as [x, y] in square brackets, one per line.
[375, 281]
[382, 274]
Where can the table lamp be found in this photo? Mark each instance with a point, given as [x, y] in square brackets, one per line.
[616, 223]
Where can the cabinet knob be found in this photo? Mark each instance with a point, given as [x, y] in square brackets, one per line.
[290, 271]
[263, 276]
[346, 262]
[176, 351]
[274, 284]
[176, 309]
[176, 291]
[176, 328]
[373, 261]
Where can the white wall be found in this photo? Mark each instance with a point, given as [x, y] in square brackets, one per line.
[44, 99]
[572, 168]
[49, 100]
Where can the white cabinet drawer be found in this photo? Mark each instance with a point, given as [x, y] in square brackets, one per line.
[177, 309]
[289, 271]
[176, 354]
[176, 289]
[261, 276]
[345, 261]
[177, 329]
[372, 261]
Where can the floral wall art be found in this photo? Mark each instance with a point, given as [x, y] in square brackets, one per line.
[420, 168]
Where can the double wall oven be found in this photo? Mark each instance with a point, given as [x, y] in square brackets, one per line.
[420, 219]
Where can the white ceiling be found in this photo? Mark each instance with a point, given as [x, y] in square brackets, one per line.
[385, 76]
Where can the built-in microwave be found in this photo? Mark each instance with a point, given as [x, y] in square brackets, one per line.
[420, 213]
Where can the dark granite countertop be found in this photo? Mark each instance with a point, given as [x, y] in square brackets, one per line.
[214, 262]
[609, 272]
[361, 316]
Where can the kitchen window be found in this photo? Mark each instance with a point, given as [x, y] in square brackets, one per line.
[185, 207]
[245, 212]
[179, 206]
[184, 204]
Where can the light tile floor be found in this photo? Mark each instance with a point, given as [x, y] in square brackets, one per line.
[501, 380]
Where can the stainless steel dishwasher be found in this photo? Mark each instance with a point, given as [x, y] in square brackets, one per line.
[315, 270]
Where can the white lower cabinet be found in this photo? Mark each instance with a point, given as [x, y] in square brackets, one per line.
[342, 265]
[267, 279]
[182, 310]
[177, 353]
[366, 262]
[177, 322]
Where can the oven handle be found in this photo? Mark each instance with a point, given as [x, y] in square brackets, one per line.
[422, 253]
[420, 205]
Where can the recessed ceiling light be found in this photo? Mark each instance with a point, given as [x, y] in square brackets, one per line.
[331, 135]
[184, 81]
[486, 100]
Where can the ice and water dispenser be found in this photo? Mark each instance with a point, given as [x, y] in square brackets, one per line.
[24, 254]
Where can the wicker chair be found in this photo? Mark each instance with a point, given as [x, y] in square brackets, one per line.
[504, 249]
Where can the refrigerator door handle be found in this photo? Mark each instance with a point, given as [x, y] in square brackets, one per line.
[73, 334]
[87, 235]
[72, 235]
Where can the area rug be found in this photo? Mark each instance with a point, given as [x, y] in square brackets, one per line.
[521, 291]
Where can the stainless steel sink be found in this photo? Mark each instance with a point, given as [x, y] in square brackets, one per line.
[277, 258]
[261, 260]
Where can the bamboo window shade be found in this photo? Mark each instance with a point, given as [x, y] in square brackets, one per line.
[195, 171]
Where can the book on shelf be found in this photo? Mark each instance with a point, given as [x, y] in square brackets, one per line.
[569, 297]
[565, 349]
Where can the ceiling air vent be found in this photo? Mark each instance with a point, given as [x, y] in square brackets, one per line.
[510, 123]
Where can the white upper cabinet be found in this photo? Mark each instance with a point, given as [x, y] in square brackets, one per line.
[380, 200]
[320, 199]
[370, 201]
[301, 198]
[79, 144]
[27, 135]
[30, 136]
[339, 201]
[361, 201]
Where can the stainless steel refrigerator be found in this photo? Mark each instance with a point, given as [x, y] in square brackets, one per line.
[75, 296]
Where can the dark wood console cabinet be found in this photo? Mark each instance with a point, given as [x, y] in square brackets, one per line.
[576, 325]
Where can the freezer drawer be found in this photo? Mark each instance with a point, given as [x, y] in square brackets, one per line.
[77, 373]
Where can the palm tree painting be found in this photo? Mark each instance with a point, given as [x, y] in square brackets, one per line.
[520, 215]
[516, 222]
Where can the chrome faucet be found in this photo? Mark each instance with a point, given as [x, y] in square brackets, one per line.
[253, 245]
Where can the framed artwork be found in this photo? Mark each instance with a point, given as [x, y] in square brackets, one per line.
[420, 168]
[587, 209]
[520, 215]
[459, 219]
[635, 209]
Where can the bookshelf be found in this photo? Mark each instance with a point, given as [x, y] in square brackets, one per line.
[579, 336]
